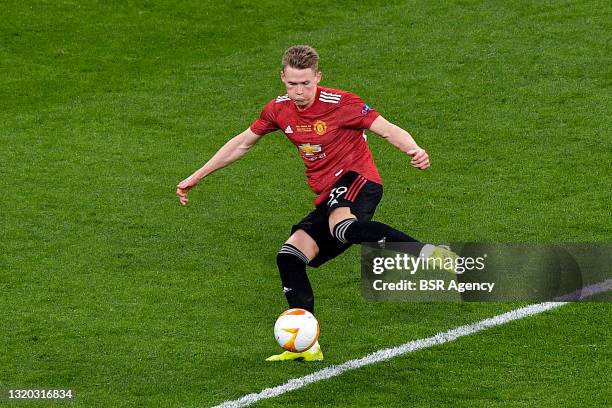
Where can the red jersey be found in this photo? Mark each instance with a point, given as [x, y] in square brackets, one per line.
[329, 135]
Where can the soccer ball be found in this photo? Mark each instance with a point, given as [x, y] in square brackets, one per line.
[296, 330]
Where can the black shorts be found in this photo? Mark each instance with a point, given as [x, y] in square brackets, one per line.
[351, 190]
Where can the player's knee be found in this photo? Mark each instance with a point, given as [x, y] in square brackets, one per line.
[290, 254]
[303, 243]
[337, 215]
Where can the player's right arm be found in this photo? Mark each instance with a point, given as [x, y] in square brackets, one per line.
[231, 151]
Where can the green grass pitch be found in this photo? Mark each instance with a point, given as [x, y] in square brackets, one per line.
[110, 288]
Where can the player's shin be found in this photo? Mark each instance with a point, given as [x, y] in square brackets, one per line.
[296, 286]
[355, 232]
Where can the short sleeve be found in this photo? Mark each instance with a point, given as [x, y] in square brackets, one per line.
[266, 122]
[356, 114]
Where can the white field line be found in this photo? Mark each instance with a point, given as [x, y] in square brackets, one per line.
[389, 353]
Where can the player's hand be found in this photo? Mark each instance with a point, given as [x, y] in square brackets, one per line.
[181, 190]
[420, 158]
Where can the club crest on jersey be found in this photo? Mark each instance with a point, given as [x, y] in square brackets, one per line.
[311, 152]
[320, 127]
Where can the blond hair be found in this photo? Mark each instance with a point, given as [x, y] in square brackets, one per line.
[301, 57]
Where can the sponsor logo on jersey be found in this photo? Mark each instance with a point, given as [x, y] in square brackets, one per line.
[366, 109]
[308, 149]
[320, 127]
[288, 130]
[311, 152]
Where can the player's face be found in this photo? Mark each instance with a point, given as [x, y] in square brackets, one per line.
[301, 85]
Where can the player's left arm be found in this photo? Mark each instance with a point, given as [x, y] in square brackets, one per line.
[401, 139]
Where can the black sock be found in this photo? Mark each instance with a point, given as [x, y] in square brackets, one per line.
[292, 267]
[355, 232]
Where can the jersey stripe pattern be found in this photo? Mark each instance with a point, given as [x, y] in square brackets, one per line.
[329, 97]
[282, 98]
